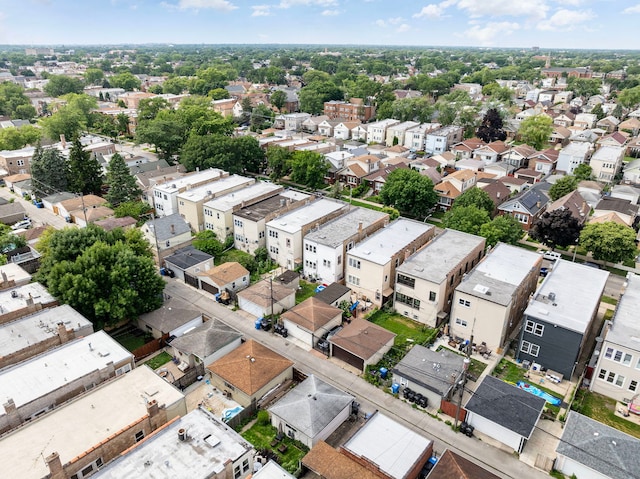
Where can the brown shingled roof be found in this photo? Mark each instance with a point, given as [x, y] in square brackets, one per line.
[250, 366]
[453, 466]
[311, 314]
[330, 464]
[362, 338]
[226, 272]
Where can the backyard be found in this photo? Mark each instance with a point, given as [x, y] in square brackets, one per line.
[602, 409]
[159, 360]
[306, 291]
[262, 435]
[407, 331]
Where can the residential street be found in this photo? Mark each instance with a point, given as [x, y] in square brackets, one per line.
[39, 216]
[499, 462]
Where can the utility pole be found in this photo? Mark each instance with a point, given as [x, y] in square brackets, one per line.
[461, 384]
[84, 210]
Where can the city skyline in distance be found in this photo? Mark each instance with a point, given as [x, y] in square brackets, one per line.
[548, 24]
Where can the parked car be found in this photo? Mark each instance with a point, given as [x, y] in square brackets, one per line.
[22, 224]
[551, 255]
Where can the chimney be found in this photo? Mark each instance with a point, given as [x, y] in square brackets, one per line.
[13, 418]
[538, 204]
[29, 300]
[407, 253]
[55, 465]
[173, 229]
[498, 195]
[153, 408]
[63, 333]
[4, 277]
[63, 141]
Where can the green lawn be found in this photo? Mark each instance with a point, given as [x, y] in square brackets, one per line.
[602, 409]
[261, 435]
[159, 360]
[131, 342]
[307, 290]
[406, 329]
[609, 300]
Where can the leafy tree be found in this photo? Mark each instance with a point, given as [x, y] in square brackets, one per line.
[122, 185]
[582, 172]
[556, 228]
[536, 130]
[14, 103]
[504, 229]
[49, 172]
[16, 138]
[122, 120]
[126, 80]
[93, 76]
[218, 94]
[491, 127]
[308, 168]
[107, 283]
[598, 111]
[261, 118]
[475, 197]
[629, 97]
[409, 191]
[59, 85]
[85, 172]
[135, 209]
[617, 111]
[165, 133]
[584, 87]
[175, 85]
[70, 119]
[468, 219]
[148, 108]
[563, 186]
[278, 99]
[279, 161]
[235, 155]
[208, 242]
[609, 241]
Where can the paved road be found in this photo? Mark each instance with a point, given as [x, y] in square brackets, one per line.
[502, 464]
[39, 216]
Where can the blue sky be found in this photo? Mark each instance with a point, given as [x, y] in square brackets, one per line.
[498, 23]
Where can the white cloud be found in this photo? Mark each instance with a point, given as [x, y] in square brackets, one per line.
[486, 35]
[307, 3]
[381, 23]
[403, 28]
[220, 5]
[572, 3]
[330, 13]
[396, 20]
[566, 19]
[430, 11]
[504, 8]
[634, 9]
[261, 10]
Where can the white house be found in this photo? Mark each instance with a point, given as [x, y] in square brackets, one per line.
[572, 155]
[606, 162]
[165, 195]
[377, 132]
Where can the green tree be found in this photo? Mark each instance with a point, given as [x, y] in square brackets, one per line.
[278, 98]
[582, 172]
[218, 94]
[536, 130]
[584, 87]
[166, 133]
[175, 85]
[93, 76]
[59, 85]
[563, 186]
[235, 155]
[139, 210]
[66, 121]
[468, 219]
[208, 242]
[85, 172]
[14, 103]
[16, 138]
[475, 197]
[49, 172]
[261, 118]
[598, 111]
[609, 241]
[629, 97]
[556, 228]
[148, 108]
[279, 161]
[503, 229]
[126, 80]
[409, 191]
[308, 168]
[122, 120]
[122, 185]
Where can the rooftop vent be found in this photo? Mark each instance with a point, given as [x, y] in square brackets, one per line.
[552, 296]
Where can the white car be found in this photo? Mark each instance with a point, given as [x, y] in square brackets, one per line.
[22, 224]
[551, 255]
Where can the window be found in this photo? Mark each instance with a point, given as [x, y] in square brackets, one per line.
[245, 465]
[534, 328]
[354, 263]
[633, 385]
[353, 280]
[139, 436]
[612, 378]
[464, 302]
[618, 356]
[168, 243]
[408, 300]
[273, 249]
[522, 218]
[261, 234]
[432, 295]
[406, 280]
[288, 243]
[237, 472]
[339, 259]
[20, 162]
[461, 322]
[529, 348]
[237, 223]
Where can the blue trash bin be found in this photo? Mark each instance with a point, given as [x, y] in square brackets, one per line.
[395, 388]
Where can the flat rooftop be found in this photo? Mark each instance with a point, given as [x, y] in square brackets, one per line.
[260, 210]
[500, 273]
[14, 272]
[40, 375]
[293, 221]
[380, 247]
[223, 185]
[208, 446]
[569, 295]
[176, 185]
[16, 298]
[442, 255]
[397, 453]
[35, 328]
[86, 421]
[336, 232]
[625, 329]
[231, 200]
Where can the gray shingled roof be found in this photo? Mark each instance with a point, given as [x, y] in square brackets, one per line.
[332, 293]
[599, 447]
[171, 315]
[206, 339]
[506, 405]
[187, 257]
[167, 227]
[311, 406]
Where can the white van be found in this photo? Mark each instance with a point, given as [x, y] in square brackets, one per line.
[551, 255]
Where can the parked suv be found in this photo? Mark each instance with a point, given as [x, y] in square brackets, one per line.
[22, 224]
[551, 255]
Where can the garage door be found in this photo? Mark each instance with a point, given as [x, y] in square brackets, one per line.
[191, 280]
[209, 287]
[348, 358]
